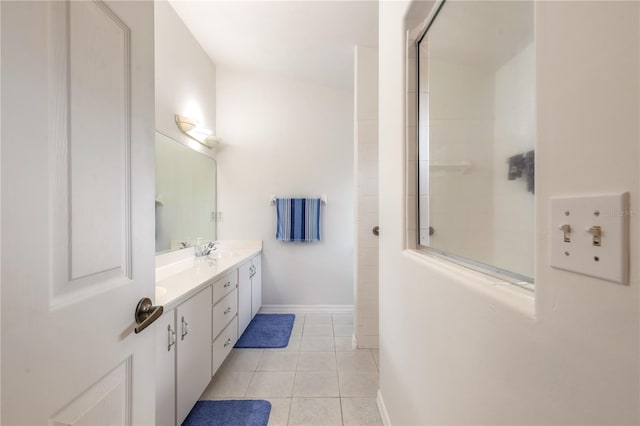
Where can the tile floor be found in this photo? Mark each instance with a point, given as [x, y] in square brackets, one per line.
[317, 380]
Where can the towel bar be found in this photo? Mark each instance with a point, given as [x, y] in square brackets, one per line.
[323, 199]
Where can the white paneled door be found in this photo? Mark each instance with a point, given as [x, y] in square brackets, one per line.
[77, 212]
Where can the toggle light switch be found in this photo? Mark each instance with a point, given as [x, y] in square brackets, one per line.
[602, 249]
[596, 231]
[567, 233]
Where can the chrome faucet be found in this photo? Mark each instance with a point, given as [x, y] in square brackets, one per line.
[207, 248]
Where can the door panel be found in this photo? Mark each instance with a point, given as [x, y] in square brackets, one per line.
[98, 138]
[77, 212]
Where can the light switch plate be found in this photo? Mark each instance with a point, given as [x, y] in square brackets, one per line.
[610, 260]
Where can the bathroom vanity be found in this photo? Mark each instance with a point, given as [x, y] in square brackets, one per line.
[208, 303]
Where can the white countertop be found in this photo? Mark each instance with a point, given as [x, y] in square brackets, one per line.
[181, 275]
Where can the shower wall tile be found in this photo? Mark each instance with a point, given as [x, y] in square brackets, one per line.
[366, 188]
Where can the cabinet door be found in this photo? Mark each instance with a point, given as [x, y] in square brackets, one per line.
[166, 339]
[256, 285]
[244, 297]
[194, 350]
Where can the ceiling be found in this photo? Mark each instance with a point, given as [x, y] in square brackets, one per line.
[306, 40]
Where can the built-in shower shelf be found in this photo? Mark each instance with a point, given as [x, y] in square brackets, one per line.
[450, 166]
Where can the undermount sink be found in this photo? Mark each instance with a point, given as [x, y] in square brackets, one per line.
[160, 291]
[221, 254]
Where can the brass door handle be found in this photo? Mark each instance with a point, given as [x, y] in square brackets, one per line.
[146, 314]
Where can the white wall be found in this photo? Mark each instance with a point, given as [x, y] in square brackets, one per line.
[366, 203]
[285, 137]
[456, 349]
[185, 78]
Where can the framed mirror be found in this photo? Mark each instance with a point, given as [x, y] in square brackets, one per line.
[476, 136]
[185, 195]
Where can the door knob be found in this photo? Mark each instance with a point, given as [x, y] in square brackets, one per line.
[146, 314]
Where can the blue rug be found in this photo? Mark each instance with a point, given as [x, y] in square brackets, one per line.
[227, 413]
[267, 331]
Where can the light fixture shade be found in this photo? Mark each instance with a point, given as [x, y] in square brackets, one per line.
[191, 128]
[186, 124]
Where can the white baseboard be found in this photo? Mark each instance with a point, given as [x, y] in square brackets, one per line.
[304, 309]
[384, 416]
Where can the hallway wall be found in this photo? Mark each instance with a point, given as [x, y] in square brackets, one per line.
[455, 348]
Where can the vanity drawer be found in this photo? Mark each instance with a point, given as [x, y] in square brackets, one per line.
[224, 311]
[224, 285]
[223, 344]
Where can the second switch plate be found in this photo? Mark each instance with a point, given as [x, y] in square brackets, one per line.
[581, 254]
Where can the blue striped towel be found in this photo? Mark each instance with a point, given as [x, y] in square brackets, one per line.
[298, 219]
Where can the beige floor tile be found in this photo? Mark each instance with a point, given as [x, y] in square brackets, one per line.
[345, 330]
[297, 330]
[317, 344]
[363, 385]
[344, 344]
[343, 319]
[360, 411]
[278, 361]
[271, 384]
[293, 346]
[318, 319]
[317, 330]
[242, 360]
[356, 362]
[316, 361]
[228, 384]
[279, 415]
[315, 411]
[312, 384]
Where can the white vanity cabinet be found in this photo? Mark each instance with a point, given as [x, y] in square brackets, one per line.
[224, 320]
[244, 297]
[166, 369]
[249, 291]
[183, 357]
[193, 360]
[256, 285]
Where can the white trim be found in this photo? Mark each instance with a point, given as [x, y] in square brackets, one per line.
[382, 409]
[354, 341]
[301, 309]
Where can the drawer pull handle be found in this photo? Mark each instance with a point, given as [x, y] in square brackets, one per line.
[228, 342]
[172, 338]
[228, 284]
[185, 329]
[226, 311]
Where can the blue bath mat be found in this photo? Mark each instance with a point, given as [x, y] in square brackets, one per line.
[226, 413]
[267, 331]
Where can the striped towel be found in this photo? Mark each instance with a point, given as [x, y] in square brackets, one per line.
[298, 219]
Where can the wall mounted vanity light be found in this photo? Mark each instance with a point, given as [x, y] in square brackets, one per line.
[191, 128]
